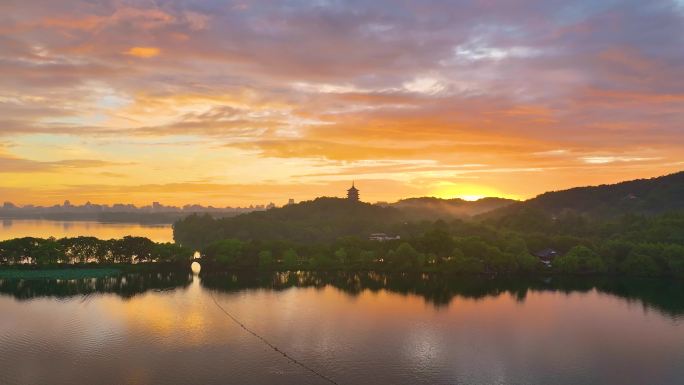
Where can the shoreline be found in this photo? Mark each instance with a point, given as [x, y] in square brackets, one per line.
[50, 271]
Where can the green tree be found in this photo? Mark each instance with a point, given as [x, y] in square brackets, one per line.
[675, 259]
[341, 255]
[491, 256]
[437, 241]
[526, 262]
[20, 250]
[579, 259]
[290, 259]
[322, 262]
[49, 251]
[80, 249]
[568, 263]
[266, 258]
[131, 249]
[138, 249]
[405, 258]
[367, 258]
[171, 253]
[462, 264]
[639, 264]
[227, 252]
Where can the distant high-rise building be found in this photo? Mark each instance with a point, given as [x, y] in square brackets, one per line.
[291, 201]
[353, 193]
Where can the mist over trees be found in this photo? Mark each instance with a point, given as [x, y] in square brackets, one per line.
[631, 228]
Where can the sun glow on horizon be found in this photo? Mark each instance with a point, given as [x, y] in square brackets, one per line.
[467, 192]
[472, 198]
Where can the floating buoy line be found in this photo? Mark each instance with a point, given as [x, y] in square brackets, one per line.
[270, 345]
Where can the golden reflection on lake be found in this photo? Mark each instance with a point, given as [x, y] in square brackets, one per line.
[178, 335]
[16, 228]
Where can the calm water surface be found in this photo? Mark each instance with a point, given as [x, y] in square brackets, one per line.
[16, 228]
[363, 328]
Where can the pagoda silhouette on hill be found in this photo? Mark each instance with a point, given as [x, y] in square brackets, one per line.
[353, 193]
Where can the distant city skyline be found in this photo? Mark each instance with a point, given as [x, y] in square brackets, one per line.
[153, 206]
[159, 206]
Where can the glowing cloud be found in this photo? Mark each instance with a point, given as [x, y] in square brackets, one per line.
[143, 52]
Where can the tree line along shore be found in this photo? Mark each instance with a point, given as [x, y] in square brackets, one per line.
[635, 246]
[631, 228]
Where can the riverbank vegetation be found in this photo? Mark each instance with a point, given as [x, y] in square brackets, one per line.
[632, 228]
[635, 246]
[509, 243]
[90, 250]
[631, 245]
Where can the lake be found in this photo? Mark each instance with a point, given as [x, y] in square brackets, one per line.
[16, 228]
[350, 328]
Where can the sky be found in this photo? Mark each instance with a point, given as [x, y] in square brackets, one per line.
[247, 102]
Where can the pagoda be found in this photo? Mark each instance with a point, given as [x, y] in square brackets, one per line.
[353, 193]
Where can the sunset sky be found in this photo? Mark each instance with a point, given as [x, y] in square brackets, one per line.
[248, 102]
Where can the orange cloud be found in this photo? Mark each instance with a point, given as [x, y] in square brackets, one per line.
[140, 17]
[143, 52]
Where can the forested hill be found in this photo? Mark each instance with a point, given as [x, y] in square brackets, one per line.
[321, 220]
[429, 208]
[642, 196]
[325, 220]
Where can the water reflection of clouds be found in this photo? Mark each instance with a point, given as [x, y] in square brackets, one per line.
[174, 319]
[378, 336]
[423, 346]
